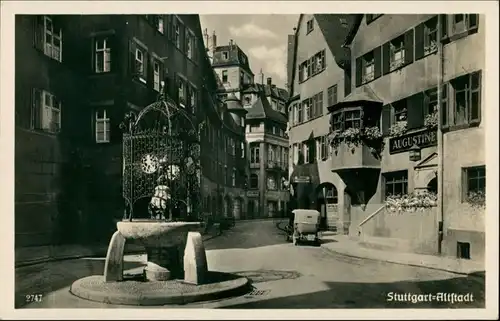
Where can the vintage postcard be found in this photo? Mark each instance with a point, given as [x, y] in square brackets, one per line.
[300, 159]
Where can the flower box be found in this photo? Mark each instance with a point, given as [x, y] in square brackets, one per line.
[412, 202]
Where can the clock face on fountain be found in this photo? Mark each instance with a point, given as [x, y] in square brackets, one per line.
[149, 163]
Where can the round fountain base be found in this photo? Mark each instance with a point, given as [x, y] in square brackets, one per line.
[140, 292]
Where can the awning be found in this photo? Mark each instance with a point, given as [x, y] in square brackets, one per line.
[359, 96]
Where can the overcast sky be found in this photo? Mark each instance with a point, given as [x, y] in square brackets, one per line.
[262, 37]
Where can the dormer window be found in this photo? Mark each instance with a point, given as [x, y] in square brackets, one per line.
[247, 100]
[225, 55]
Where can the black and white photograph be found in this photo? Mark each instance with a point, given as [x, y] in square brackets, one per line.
[168, 159]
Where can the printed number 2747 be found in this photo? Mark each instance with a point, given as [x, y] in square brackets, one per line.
[34, 298]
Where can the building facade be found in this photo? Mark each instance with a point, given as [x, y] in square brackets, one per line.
[84, 73]
[411, 131]
[268, 149]
[317, 82]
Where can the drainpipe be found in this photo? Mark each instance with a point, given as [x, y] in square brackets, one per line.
[440, 139]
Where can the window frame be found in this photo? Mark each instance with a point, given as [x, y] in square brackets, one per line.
[48, 47]
[105, 51]
[367, 60]
[106, 121]
[225, 74]
[140, 62]
[157, 75]
[46, 122]
[332, 95]
[394, 49]
[466, 181]
[159, 24]
[394, 178]
[254, 178]
[429, 33]
[254, 154]
[309, 26]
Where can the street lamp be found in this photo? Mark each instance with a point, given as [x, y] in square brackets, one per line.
[415, 153]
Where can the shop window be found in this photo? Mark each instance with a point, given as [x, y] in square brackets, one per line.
[463, 250]
[396, 183]
[310, 26]
[332, 95]
[254, 181]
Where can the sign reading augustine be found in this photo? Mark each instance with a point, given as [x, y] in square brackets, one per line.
[404, 143]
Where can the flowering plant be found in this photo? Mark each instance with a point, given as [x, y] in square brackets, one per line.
[396, 64]
[477, 199]
[431, 120]
[431, 47]
[354, 136]
[368, 77]
[411, 202]
[372, 133]
[398, 129]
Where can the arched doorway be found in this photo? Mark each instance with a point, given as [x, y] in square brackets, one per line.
[432, 186]
[327, 205]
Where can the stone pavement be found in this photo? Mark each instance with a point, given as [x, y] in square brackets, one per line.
[344, 245]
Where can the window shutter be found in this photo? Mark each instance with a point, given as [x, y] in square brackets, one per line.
[377, 54]
[416, 111]
[150, 71]
[347, 82]
[146, 66]
[444, 106]
[419, 41]
[443, 22]
[386, 118]
[113, 40]
[386, 54]
[409, 44]
[36, 108]
[38, 32]
[473, 21]
[359, 65]
[91, 48]
[132, 66]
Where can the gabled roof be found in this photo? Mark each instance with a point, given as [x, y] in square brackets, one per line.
[236, 57]
[268, 90]
[262, 110]
[333, 31]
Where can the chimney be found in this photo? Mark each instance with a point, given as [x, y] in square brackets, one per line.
[231, 42]
[214, 41]
[269, 81]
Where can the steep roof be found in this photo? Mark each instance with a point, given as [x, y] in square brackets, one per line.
[236, 57]
[336, 29]
[268, 90]
[364, 94]
[262, 110]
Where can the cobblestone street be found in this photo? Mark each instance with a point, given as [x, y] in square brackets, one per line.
[283, 276]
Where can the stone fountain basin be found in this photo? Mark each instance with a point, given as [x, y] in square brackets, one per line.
[153, 233]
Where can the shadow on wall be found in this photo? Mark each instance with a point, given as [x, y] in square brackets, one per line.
[376, 295]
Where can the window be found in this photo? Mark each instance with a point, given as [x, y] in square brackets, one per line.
[300, 115]
[319, 62]
[466, 98]
[192, 100]
[400, 111]
[225, 55]
[324, 147]
[431, 102]
[310, 151]
[102, 55]
[368, 67]
[396, 183]
[233, 146]
[464, 22]
[271, 182]
[310, 26]
[312, 66]
[224, 76]
[332, 95]
[255, 128]
[352, 119]
[139, 64]
[254, 181]
[430, 35]
[190, 41]
[102, 127]
[242, 150]
[156, 75]
[307, 109]
[463, 250]
[177, 33]
[247, 99]
[337, 121]
[52, 39]
[317, 105]
[46, 111]
[397, 53]
[159, 23]
[254, 154]
[305, 151]
[182, 92]
[474, 181]
[233, 177]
